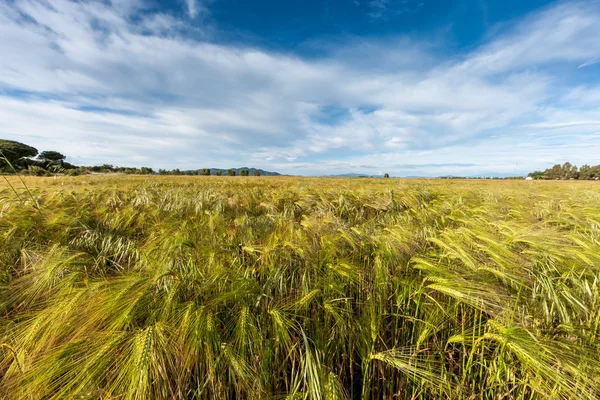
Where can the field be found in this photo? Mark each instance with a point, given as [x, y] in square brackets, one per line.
[117, 287]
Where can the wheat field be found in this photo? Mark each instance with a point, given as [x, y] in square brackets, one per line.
[115, 287]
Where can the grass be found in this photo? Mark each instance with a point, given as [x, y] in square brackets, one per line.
[298, 288]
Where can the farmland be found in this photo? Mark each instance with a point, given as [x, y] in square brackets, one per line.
[145, 287]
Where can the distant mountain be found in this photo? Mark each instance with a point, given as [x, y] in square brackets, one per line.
[354, 175]
[250, 171]
[486, 176]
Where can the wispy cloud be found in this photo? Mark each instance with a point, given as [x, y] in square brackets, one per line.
[83, 79]
[569, 124]
[192, 8]
[590, 62]
[380, 9]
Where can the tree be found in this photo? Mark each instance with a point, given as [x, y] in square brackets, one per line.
[230, 172]
[244, 172]
[205, 172]
[554, 173]
[51, 160]
[536, 175]
[14, 152]
[51, 156]
[67, 165]
[584, 172]
[594, 172]
[218, 173]
[587, 172]
[146, 171]
[386, 175]
[565, 171]
[256, 172]
[569, 171]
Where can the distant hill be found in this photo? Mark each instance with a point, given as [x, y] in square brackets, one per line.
[354, 175]
[250, 171]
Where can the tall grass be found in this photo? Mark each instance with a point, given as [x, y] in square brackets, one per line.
[212, 288]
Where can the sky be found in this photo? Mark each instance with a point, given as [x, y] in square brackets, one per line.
[405, 87]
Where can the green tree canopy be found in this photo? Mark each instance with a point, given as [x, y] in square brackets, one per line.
[256, 172]
[554, 172]
[51, 156]
[15, 151]
[568, 171]
[230, 172]
[565, 171]
[536, 175]
[587, 172]
[244, 172]
[218, 173]
[205, 172]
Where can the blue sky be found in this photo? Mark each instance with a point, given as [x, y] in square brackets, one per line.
[310, 87]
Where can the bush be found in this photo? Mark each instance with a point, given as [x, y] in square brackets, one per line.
[76, 172]
[34, 170]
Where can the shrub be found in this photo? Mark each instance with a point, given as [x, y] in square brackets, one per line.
[34, 170]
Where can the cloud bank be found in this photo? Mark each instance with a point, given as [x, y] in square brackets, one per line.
[116, 83]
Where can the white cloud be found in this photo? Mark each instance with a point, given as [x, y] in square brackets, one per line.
[83, 79]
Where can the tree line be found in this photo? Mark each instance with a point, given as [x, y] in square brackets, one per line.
[568, 171]
[16, 157]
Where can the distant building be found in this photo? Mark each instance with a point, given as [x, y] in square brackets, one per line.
[529, 178]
